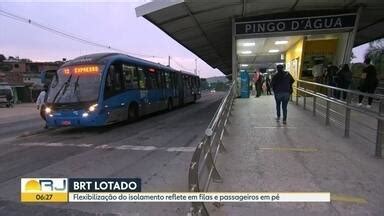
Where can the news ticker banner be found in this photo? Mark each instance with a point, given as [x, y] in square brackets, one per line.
[129, 190]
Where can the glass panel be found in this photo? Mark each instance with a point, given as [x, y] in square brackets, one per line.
[142, 78]
[130, 77]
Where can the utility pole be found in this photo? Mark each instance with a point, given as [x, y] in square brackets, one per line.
[169, 61]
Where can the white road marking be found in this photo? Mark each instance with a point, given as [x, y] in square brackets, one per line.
[106, 146]
[181, 149]
[136, 148]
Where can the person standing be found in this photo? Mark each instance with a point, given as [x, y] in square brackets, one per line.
[343, 80]
[318, 71]
[40, 103]
[282, 88]
[331, 75]
[257, 79]
[268, 84]
[9, 98]
[368, 82]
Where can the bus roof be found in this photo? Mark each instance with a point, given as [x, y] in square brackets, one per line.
[98, 58]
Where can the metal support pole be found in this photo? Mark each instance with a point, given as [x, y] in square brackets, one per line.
[210, 163]
[297, 94]
[327, 113]
[314, 106]
[199, 209]
[380, 131]
[328, 108]
[305, 100]
[234, 58]
[347, 116]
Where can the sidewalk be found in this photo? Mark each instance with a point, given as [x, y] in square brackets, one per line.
[303, 156]
[19, 112]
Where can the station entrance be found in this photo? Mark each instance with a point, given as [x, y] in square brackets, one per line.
[304, 45]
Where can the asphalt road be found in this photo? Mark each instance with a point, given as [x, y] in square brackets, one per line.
[156, 149]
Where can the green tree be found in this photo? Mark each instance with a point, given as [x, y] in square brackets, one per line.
[376, 53]
[375, 50]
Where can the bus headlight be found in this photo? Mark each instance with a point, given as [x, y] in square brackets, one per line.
[48, 110]
[92, 108]
[85, 114]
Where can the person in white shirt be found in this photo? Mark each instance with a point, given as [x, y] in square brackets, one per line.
[40, 102]
[318, 71]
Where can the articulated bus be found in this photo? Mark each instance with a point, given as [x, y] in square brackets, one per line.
[105, 88]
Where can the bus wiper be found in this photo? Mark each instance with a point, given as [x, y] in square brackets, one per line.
[77, 85]
[65, 85]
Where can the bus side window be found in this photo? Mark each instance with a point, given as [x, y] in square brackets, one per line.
[186, 82]
[142, 78]
[173, 80]
[167, 79]
[130, 77]
[118, 78]
[108, 91]
[160, 79]
[113, 84]
[153, 84]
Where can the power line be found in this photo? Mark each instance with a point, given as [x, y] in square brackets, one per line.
[78, 38]
[180, 65]
[68, 35]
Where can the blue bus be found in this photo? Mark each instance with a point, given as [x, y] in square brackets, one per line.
[105, 88]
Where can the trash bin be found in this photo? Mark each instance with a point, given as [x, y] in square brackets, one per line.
[244, 85]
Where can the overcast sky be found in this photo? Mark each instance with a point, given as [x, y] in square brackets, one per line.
[112, 24]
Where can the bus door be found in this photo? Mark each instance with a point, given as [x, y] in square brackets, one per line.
[163, 89]
[187, 88]
[154, 91]
[180, 85]
[131, 85]
[168, 86]
[143, 91]
[113, 98]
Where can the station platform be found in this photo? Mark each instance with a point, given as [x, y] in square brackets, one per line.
[303, 156]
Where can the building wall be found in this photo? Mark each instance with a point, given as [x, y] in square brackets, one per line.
[293, 60]
[24, 77]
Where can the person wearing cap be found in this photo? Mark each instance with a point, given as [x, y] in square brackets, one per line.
[282, 88]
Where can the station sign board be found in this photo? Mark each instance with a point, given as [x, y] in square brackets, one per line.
[302, 24]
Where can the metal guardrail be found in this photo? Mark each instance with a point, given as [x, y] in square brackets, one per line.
[202, 168]
[329, 97]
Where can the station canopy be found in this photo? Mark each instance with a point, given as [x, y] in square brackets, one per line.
[205, 27]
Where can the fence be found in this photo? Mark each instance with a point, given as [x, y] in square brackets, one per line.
[202, 168]
[337, 104]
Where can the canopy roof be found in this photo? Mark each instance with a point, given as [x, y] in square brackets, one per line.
[205, 27]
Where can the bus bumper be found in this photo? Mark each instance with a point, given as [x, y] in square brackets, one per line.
[92, 120]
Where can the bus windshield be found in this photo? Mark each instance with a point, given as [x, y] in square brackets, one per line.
[75, 84]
